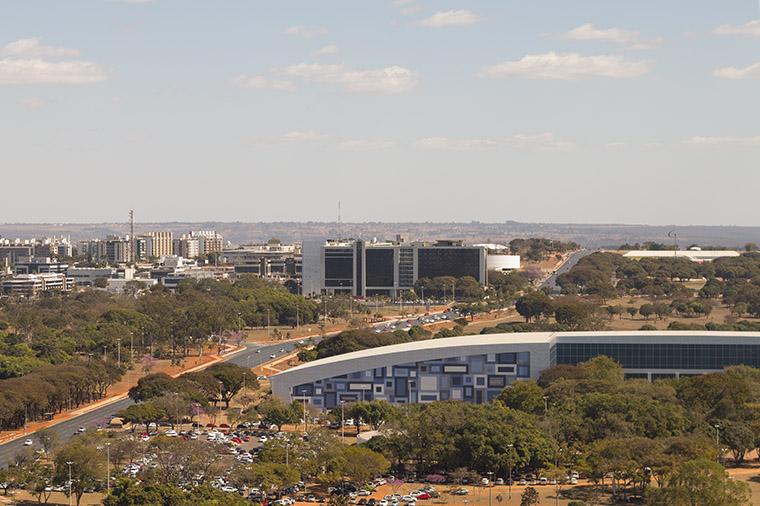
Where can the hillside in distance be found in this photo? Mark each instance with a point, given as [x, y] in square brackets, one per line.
[588, 235]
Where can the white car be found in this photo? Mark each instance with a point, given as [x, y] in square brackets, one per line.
[171, 433]
[229, 489]
[272, 356]
[28, 442]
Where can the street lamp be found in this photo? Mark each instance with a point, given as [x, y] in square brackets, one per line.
[69, 463]
[108, 468]
[717, 442]
[342, 422]
[546, 404]
[118, 352]
[509, 464]
[490, 486]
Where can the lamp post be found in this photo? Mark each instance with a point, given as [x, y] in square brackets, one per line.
[717, 442]
[342, 420]
[546, 404]
[287, 454]
[490, 486]
[108, 468]
[118, 352]
[69, 463]
[509, 465]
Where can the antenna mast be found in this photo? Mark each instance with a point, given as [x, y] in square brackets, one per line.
[340, 236]
[132, 235]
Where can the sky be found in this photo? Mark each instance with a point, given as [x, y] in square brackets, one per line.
[587, 111]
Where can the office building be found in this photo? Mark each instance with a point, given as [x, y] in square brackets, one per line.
[477, 368]
[31, 285]
[118, 250]
[37, 265]
[367, 268]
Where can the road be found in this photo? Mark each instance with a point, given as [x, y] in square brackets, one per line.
[253, 356]
[101, 416]
[574, 258]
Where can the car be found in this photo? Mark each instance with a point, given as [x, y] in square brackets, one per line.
[363, 492]
[573, 481]
[484, 482]
[301, 342]
[282, 350]
[258, 351]
[500, 481]
[28, 442]
[171, 433]
[310, 498]
[408, 498]
[272, 356]
[261, 378]
[81, 429]
[523, 481]
[423, 495]
[383, 502]
[229, 489]
[543, 480]
[461, 491]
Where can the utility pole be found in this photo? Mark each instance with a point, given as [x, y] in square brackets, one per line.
[118, 351]
[108, 468]
[509, 463]
[342, 420]
[132, 236]
[305, 423]
[717, 442]
[131, 347]
[268, 327]
[69, 463]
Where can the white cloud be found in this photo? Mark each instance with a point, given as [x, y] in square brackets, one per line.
[750, 29]
[568, 66]
[393, 79]
[738, 72]
[364, 145]
[36, 71]
[450, 18]
[304, 136]
[263, 83]
[455, 144]
[725, 141]
[302, 31]
[617, 35]
[408, 11]
[329, 49]
[539, 141]
[32, 48]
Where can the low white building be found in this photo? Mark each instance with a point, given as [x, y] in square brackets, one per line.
[503, 262]
[695, 255]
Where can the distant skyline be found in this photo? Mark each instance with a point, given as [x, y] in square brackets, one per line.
[561, 111]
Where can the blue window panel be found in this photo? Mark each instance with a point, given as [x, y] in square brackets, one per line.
[523, 358]
[506, 358]
[400, 372]
[523, 371]
[456, 381]
[477, 365]
[340, 386]
[468, 380]
[435, 368]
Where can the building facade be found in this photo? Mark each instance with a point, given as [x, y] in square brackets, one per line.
[31, 285]
[161, 244]
[367, 268]
[476, 368]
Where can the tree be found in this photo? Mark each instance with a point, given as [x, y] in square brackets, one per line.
[85, 467]
[49, 439]
[275, 412]
[38, 478]
[267, 476]
[632, 310]
[646, 310]
[362, 464]
[525, 396]
[374, 413]
[700, 483]
[529, 497]
[534, 305]
[738, 437]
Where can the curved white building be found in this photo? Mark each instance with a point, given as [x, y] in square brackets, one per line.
[476, 368]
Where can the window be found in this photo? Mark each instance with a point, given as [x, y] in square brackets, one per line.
[480, 381]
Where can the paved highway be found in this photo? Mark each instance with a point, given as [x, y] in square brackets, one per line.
[101, 416]
[551, 281]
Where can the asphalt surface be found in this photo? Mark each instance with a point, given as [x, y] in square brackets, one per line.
[101, 416]
[574, 258]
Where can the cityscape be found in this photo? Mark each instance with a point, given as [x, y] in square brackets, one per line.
[379, 253]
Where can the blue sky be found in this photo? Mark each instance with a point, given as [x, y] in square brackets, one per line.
[625, 111]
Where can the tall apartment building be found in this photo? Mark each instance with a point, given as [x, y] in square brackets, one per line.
[187, 246]
[366, 268]
[161, 244]
[93, 250]
[208, 241]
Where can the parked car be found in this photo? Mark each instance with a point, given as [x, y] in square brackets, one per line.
[28, 442]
